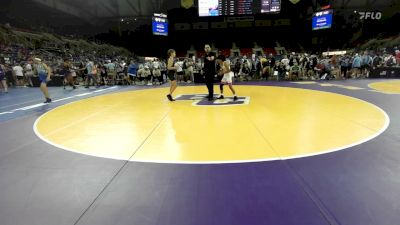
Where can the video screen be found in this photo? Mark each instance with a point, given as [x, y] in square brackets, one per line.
[322, 20]
[160, 26]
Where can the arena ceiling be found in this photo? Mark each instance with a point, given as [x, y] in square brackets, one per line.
[76, 16]
[93, 10]
[97, 11]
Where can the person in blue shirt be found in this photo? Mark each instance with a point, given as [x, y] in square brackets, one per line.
[132, 70]
[356, 66]
[43, 72]
[366, 63]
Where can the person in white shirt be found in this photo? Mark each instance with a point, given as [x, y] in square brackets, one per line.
[163, 68]
[29, 72]
[390, 60]
[18, 72]
[140, 74]
[156, 64]
[285, 61]
[157, 71]
[225, 70]
[189, 70]
[179, 71]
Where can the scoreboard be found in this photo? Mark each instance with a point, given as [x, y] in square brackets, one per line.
[238, 7]
[160, 24]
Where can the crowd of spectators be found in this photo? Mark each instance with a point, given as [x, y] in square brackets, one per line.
[303, 66]
[91, 68]
[120, 70]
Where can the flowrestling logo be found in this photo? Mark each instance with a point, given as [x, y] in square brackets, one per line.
[370, 15]
[201, 100]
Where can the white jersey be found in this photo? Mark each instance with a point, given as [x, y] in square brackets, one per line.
[179, 66]
[228, 77]
[19, 72]
[29, 70]
[156, 65]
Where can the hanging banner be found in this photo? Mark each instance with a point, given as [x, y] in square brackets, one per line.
[294, 1]
[187, 3]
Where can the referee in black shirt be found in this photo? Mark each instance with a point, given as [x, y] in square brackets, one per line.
[209, 71]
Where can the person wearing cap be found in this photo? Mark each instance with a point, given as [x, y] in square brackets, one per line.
[43, 72]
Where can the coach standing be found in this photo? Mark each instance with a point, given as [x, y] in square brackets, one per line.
[209, 71]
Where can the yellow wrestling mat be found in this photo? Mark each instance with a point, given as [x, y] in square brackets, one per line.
[272, 123]
[389, 87]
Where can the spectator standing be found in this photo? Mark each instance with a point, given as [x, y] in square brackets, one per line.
[3, 81]
[356, 65]
[18, 73]
[29, 72]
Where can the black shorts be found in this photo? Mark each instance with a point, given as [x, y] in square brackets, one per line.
[66, 75]
[171, 76]
[344, 68]
[365, 67]
[181, 73]
[20, 77]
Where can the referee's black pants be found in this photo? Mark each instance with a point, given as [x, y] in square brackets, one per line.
[209, 79]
